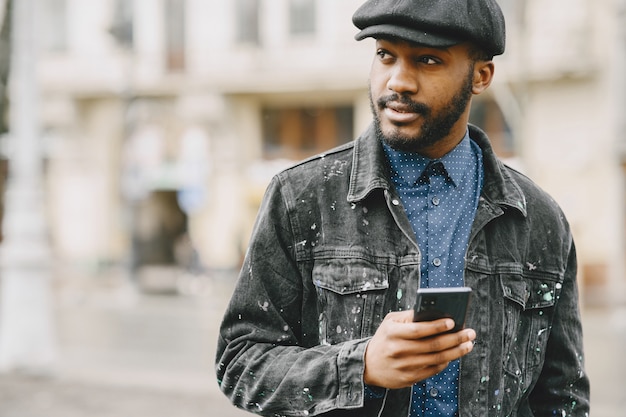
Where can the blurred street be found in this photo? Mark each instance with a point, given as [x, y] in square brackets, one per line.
[123, 352]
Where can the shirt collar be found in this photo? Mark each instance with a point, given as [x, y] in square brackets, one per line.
[407, 167]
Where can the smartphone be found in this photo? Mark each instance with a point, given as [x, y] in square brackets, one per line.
[437, 303]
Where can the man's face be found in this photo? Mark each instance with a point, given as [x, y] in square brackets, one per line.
[420, 96]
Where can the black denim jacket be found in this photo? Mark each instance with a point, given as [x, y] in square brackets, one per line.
[332, 252]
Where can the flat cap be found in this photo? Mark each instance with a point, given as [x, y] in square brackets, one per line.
[437, 23]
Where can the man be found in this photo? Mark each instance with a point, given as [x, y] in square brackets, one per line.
[321, 321]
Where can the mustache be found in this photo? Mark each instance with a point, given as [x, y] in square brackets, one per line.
[413, 106]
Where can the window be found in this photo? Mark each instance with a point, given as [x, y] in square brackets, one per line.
[175, 34]
[54, 25]
[247, 21]
[301, 17]
[122, 24]
[486, 114]
[298, 132]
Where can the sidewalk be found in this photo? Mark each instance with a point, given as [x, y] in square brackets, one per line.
[125, 353]
[34, 397]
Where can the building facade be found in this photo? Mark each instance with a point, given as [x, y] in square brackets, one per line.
[164, 120]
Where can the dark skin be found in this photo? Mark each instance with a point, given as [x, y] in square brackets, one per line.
[403, 352]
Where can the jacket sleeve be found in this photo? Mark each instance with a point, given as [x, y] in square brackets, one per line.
[563, 386]
[262, 363]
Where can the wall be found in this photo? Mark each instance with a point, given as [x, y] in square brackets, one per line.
[559, 85]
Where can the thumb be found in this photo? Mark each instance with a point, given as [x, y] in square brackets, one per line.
[400, 316]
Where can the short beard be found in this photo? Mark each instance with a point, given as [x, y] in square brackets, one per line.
[434, 129]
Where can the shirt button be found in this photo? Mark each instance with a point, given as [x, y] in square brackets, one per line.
[434, 392]
[437, 262]
[436, 201]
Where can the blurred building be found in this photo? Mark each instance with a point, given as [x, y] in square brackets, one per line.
[165, 119]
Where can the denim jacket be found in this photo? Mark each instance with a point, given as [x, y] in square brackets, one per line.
[332, 252]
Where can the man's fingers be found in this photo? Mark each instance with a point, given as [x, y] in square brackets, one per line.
[402, 351]
[426, 337]
[442, 325]
[400, 316]
[451, 354]
[449, 340]
[417, 330]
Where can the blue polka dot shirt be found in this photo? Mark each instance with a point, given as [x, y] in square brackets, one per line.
[440, 198]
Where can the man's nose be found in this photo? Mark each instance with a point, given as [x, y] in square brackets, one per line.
[403, 79]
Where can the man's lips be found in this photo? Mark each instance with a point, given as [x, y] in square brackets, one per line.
[398, 113]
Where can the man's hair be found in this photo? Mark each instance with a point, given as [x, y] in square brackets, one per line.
[477, 53]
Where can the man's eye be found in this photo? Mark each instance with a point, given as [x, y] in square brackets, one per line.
[428, 60]
[382, 54]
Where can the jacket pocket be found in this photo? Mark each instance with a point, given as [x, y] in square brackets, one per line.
[528, 309]
[350, 295]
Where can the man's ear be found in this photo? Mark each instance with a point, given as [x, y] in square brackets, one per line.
[483, 74]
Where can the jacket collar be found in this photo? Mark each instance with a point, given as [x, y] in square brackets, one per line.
[370, 171]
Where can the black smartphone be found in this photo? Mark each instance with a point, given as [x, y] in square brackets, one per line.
[437, 303]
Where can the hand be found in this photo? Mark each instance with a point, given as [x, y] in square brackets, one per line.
[403, 352]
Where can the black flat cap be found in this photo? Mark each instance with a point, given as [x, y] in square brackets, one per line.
[437, 23]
